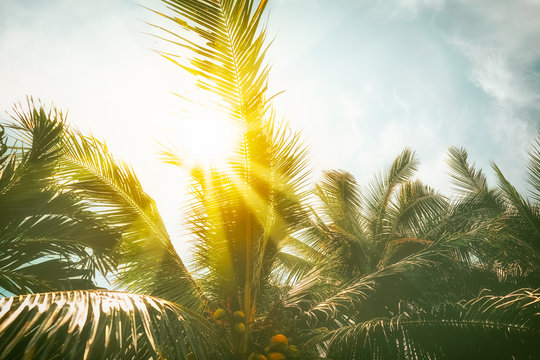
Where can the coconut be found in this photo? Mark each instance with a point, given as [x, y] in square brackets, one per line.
[239, 328]
[279, 343]
[257, 356]
[276, 356]
[239, 316]
[279, 339]
[219, 314]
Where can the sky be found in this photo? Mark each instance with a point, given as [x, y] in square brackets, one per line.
[362, 79]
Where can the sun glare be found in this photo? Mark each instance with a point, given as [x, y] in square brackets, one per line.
[208, 139]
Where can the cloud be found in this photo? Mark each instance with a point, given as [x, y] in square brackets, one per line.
[500, 42]
[492, 70]
[413, 7]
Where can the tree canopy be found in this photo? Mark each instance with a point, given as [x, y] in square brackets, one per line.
[283, 268]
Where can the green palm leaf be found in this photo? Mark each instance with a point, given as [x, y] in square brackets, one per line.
[242, 216]
[103, 325]
[415, 205]
[528, 213]
[465, 176]
[489, 326]
[50, 238]
[150, 264]
[227, 54]
[382, 187]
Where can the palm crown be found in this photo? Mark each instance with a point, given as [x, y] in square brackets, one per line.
[359, 273]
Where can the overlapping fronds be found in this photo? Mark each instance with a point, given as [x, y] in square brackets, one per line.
[150, 264]
[357, 279]
[241, 216]
[380, 191]
[415, 205]
[223, 220]
[449, 269]
[371, 294]
[359, 233]
[339, 233]
[104, 325]
[529, 214]
[49, 236]
[495, 327]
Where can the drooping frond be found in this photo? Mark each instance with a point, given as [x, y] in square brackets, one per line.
[369, 296]
[489, 326]
[150, 264]
[302, 249]
[529, 214]
[398, 249]
[415, 205]
[341, 197]
[103, 325]
[444, 270]
[51, 240]
[289, 268]
[465, 176]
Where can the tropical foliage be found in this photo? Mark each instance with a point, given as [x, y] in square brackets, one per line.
[281, 269]
[50, 237]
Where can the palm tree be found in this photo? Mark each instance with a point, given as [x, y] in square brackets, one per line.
[361, 234]
[436, 252]
[50, 238]
[257, 274]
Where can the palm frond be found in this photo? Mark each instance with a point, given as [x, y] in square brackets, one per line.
[485, 327]
[445, 269]
[289, 268]
[465, 176]
[382, 187]
[525, 210]
[260, 202]
[533, 169]
[296, 246]
[342, 201]
[398, 249]
[99, 325]
[415, 205]
[227, 50]
[150, 264]
[465, 214]
[50, 237]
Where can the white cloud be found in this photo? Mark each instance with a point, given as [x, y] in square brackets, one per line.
[492, 71]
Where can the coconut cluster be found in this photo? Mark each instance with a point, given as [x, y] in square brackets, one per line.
[278, 349]
[238, 320]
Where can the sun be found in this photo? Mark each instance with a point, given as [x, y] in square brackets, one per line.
[207, 139]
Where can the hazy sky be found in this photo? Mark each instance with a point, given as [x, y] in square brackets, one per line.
[362, 78]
